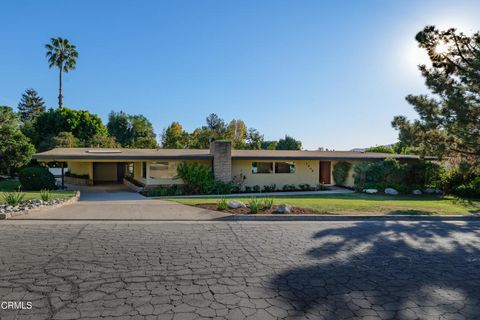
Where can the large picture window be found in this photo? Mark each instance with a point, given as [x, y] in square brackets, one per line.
[262, 167]
[284, 167]
[160, 170]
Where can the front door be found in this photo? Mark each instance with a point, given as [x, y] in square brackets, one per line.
[325, 172]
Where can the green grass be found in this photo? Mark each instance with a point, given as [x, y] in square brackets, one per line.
[12, 185]
[357, 203]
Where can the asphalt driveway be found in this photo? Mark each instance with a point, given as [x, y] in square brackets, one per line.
[116, 202]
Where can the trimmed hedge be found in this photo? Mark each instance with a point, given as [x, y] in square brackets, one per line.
[36, 178]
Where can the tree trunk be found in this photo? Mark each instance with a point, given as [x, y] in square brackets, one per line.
[60, 97]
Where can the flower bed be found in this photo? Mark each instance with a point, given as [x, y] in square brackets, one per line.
[7, 211]
[246, 210]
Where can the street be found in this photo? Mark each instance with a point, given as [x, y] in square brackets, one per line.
[241, 270]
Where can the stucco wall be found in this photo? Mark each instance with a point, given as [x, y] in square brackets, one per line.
[80, 168]
[306, 171]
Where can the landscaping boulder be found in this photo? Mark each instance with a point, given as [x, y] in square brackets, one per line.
[283, 208]
[370, 191]
[438, 191]
[391, 191]
[417, 192]
[430, 191]
[234, 204]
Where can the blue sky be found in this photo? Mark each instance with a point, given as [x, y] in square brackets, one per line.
[331, 73]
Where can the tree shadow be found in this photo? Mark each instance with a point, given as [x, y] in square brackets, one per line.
[388, 270]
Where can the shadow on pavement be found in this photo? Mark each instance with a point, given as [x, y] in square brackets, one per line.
[389, 270]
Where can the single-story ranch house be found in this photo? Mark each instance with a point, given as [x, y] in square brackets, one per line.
[154, 167]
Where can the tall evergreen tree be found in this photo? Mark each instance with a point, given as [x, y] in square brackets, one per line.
[30, 106]
[449, 117]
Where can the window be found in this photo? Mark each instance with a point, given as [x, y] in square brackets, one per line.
[262, 167]
[160, 170]
[144, 170]
[130, 171]
[284, 167]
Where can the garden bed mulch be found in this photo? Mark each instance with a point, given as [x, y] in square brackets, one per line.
[294, 210]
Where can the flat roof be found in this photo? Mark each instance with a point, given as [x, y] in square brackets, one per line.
[62, 154]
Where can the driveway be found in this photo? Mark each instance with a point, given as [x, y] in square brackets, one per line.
[241, 270]
[116, 202]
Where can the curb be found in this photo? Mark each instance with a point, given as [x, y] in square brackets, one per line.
[348, 218]
[72, 200]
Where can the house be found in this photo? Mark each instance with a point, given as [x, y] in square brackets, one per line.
[153, 167]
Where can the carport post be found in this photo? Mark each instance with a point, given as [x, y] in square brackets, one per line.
[63, 177]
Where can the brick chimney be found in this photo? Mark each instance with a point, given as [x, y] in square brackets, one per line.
[221, 151]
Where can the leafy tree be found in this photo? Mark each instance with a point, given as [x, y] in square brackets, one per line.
[119, 127]
[131, 131]
[269, 145]
[380, 149]
[174, 137]
[31, 106]
[62, 55]
[15, 148]
[216, 125]
[449, 117]
[101, 140]
[254, 139]
[236, 131]
[64, 140]
[82, 124]
[289, 143]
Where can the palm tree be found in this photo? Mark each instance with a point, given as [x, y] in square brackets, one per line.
[63, 55]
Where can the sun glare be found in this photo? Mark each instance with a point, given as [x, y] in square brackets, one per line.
[442, 48]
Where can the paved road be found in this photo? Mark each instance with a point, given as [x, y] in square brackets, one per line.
[369, 270]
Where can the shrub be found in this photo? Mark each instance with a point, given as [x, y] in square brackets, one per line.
[13, 198]
[236, 188]
[198, 178]
[45, 195]
[304, 186]
[165, 191]
[267, 203]
[256, 188]
[222, 204]
[255, 205]
[74, 175]
[36, 178]
[289, 187]
[269, 188]
[469, 190]
[248, 189]
[340, 172]
[320, 187]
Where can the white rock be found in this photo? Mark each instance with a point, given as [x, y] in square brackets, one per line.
[283, 208]
[234, 204]
[370, 191]
[417, 192]
[391, 191]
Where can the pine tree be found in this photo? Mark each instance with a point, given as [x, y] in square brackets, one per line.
[31, 105]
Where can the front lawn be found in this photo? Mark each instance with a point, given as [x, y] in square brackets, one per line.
[363, 204]
[12, 185]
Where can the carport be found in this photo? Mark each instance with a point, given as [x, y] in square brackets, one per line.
[108, 172]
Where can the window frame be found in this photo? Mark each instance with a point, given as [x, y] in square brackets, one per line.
[256, 166]
[290, 164]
